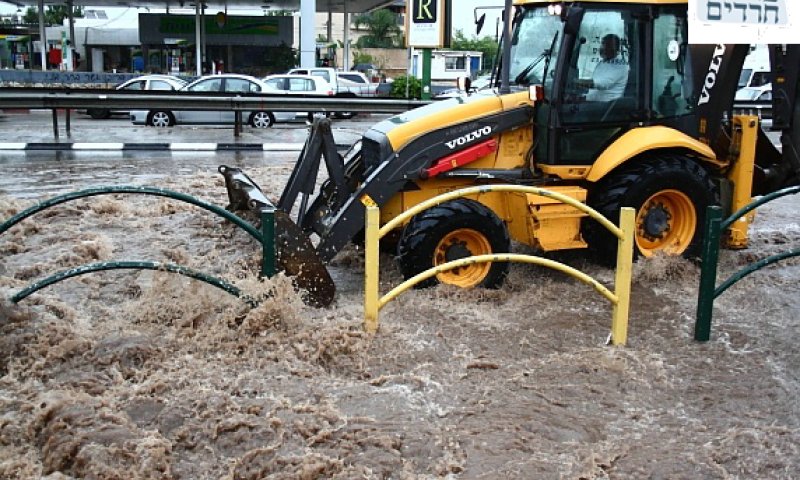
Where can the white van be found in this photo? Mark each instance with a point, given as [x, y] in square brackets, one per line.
[754, 77]
[754, 81]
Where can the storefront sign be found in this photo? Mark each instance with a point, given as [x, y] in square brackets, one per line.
[754, 21]
[425, 24]
[220, 29]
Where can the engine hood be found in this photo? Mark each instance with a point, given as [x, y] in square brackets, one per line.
[397, 131]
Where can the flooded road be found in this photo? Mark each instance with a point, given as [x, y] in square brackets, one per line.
[142, 374]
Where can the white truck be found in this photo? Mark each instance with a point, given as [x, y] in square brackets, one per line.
[345, 84]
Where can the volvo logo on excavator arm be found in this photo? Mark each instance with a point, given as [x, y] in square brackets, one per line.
[470, 137]
[711, 76]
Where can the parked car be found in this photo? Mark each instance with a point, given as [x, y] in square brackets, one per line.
[762, 93]
[345, 84]
[145, 82]
[480, 83]
[352, 84]
[292, 84]
[222, 83]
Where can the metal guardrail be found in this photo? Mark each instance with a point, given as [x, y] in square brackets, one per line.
[93, 98]
[66, 79]
[761, 109]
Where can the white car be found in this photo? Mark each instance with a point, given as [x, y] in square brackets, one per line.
[222, 83]
[480, 83]
[762, 93]
[295, 84]
[145, 82]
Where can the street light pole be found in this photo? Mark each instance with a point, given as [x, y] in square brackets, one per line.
[42, 37]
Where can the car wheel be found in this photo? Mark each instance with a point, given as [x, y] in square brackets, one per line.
[161, 119]
[99, 113]
[450, 231]
[345, 115]
[261, 120]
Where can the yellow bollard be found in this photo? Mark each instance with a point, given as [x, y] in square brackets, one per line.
[622, 279]
[371, 265]
[741, 175]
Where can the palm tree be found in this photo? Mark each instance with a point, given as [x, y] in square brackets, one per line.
[382, 28]
[53, 15]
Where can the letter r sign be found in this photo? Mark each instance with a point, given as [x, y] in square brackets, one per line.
[425, 11]
[425, 23]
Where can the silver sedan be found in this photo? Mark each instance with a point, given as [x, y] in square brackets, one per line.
[228, 83]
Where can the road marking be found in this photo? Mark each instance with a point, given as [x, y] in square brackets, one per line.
[193, 146]
[98, 146]
[175, 147]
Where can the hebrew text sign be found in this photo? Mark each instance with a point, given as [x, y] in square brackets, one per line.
[743, 21]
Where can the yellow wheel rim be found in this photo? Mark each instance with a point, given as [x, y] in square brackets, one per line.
[462, 243]
[666, 222]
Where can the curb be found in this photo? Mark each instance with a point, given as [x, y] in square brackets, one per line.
[171, 147]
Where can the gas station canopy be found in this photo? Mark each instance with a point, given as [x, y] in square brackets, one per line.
[336, 6]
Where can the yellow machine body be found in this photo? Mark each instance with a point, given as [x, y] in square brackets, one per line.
[541, 222]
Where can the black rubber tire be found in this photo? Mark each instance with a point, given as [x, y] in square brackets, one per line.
[99, 113]
[634, 183]
[167, 115]
[261, 120]
[422, 234]
[345, 115]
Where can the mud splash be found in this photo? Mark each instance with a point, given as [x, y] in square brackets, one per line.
[121, 375]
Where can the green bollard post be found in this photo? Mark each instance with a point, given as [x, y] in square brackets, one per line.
[708, 274]
[426, 73]
[268, 242]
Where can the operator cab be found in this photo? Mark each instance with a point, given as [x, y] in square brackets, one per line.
[605, 69]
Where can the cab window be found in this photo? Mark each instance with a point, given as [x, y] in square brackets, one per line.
[134, 86]
[276, 83]
[210, 85]
[240, 85]
[671, 86]
[321, 73]
[160, 85]
[300, 85]
[601, 83]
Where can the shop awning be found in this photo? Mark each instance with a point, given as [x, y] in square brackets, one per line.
[15, 38]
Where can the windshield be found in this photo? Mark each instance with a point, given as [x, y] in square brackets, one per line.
[744, 77]
[536, 39]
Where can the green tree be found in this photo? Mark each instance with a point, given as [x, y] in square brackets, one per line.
[280, 59]
[399, 87]
[361, 57]
[487, 46]
[382, 29]
[53, 15]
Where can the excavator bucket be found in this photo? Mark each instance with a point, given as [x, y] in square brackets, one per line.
[295, 254]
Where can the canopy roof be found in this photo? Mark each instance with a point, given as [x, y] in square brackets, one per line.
[353, 6]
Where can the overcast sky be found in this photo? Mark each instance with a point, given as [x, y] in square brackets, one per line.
[464, 15]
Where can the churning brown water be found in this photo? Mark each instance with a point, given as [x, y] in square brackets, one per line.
[150, 375]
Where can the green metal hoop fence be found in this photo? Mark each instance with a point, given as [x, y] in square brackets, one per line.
[265, 237]
[708, 290]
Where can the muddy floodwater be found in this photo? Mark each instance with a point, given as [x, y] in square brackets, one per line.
[151, 375]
